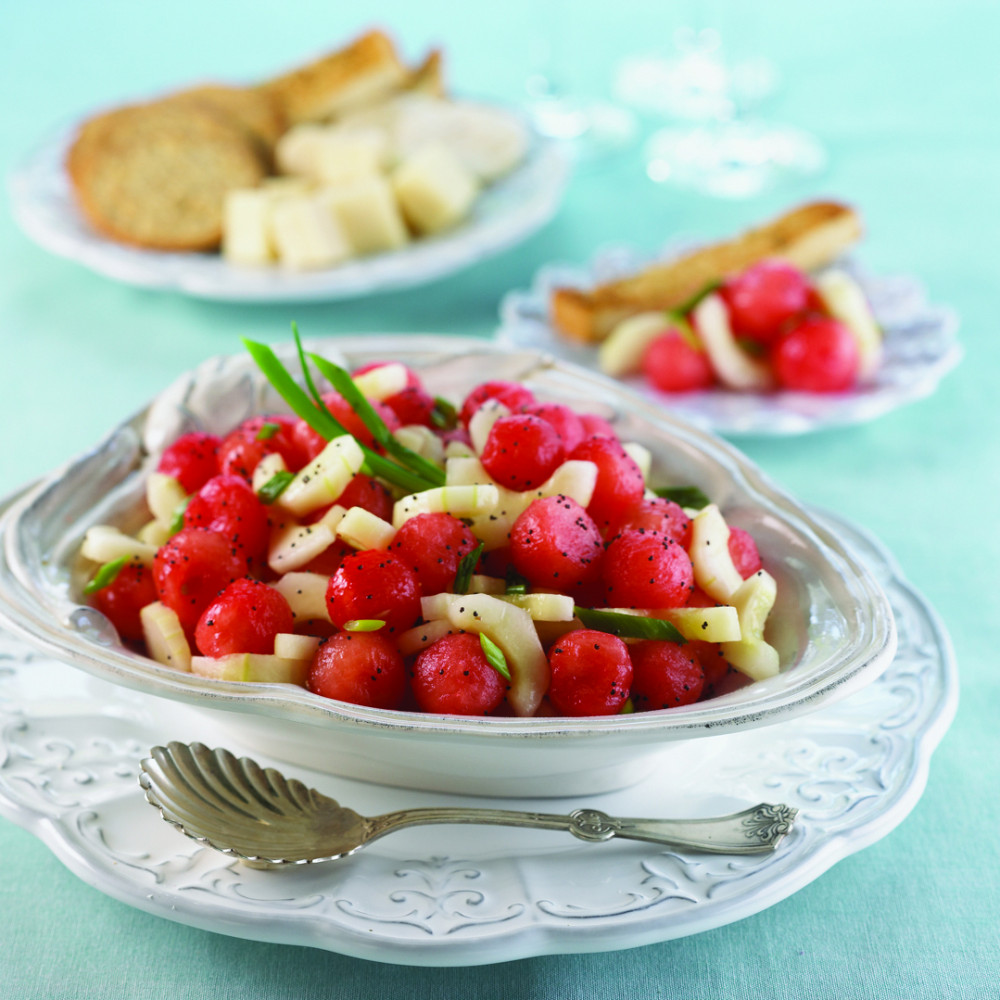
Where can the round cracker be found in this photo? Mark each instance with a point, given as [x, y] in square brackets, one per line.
[156, 175]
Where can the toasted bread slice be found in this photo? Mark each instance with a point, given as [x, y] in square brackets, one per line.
[156, 175]
[360, 74]
[428, 77]
[809, 237]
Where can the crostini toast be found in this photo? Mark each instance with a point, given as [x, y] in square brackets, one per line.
[809, 237]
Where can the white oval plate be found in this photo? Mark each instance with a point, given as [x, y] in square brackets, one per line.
[70, 747]
[920, 349]
[505, 214]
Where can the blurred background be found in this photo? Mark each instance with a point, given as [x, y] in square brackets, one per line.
[900, 101]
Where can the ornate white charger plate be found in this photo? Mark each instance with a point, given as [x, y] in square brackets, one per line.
[506, 213]
[70, 747]
[920, 348]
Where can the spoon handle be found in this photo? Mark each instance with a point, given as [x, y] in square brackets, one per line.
[757, 829]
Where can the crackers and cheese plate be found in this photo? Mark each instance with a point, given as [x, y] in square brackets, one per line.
[351, 174]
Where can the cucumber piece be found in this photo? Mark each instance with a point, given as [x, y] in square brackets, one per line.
[734, 367]
[456, 449]
[266, 469]
[421, 440]
[718, 624]
[259, 668]
[382, 382]
[846, 302]
[290, 646]
[543, 607]
[482, 422]
[306, 595]
[512, 629]
[297, 544]
[421, 636]
[104, 543]
[752, 654]
[621, 352]
[154, 533]
[164, 494]
[461, 501]
[324, 478]
[165, 639]
[364, 530]
[641, 455]
[714, 571]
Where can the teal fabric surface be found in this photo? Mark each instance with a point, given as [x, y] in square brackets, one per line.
[905, 97]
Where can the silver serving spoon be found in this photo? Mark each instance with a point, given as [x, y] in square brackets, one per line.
[256, 814]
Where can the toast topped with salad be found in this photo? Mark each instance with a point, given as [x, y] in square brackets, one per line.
[809, 237]
[766, 310]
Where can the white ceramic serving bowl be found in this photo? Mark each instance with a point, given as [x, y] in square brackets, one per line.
[832, 624]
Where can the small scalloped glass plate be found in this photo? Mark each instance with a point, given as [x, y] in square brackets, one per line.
[832, 624]
[920, 349]
[70, 747]
[506, 213]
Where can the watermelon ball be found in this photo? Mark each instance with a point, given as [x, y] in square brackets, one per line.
[522, 451]
[453, 676]
[591, 673]
[373, 585]
[620, 485]
[665, 675]
[363, 668]
[432, 546]
[555, 544]
[513, 395]
[244, 618]
[765, 297]
[124, 597]
[191, 569]
[819, 354]
[673, 364]
[192, 460]
[647, 571]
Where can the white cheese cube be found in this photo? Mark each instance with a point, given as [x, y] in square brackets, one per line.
[245, 227]
[435, 189]
[345, 155]
[306, 235]
[367, 213]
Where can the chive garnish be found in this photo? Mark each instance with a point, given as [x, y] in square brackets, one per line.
[692, 303]
[494, 656]
[267, 431]
[292, 393]
[364, 625]
[466, 567]
[319, 418]
[177, 521]
[684, 496]
[629, 626]
[444, 416]
[344, 384]
[105, 575]
[516, 584]
[275, 486]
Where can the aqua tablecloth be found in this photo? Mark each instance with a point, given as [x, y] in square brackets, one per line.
[905, 97]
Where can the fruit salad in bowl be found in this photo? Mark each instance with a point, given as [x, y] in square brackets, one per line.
[359, 555]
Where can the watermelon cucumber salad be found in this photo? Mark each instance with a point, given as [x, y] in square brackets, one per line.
[385, 547]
